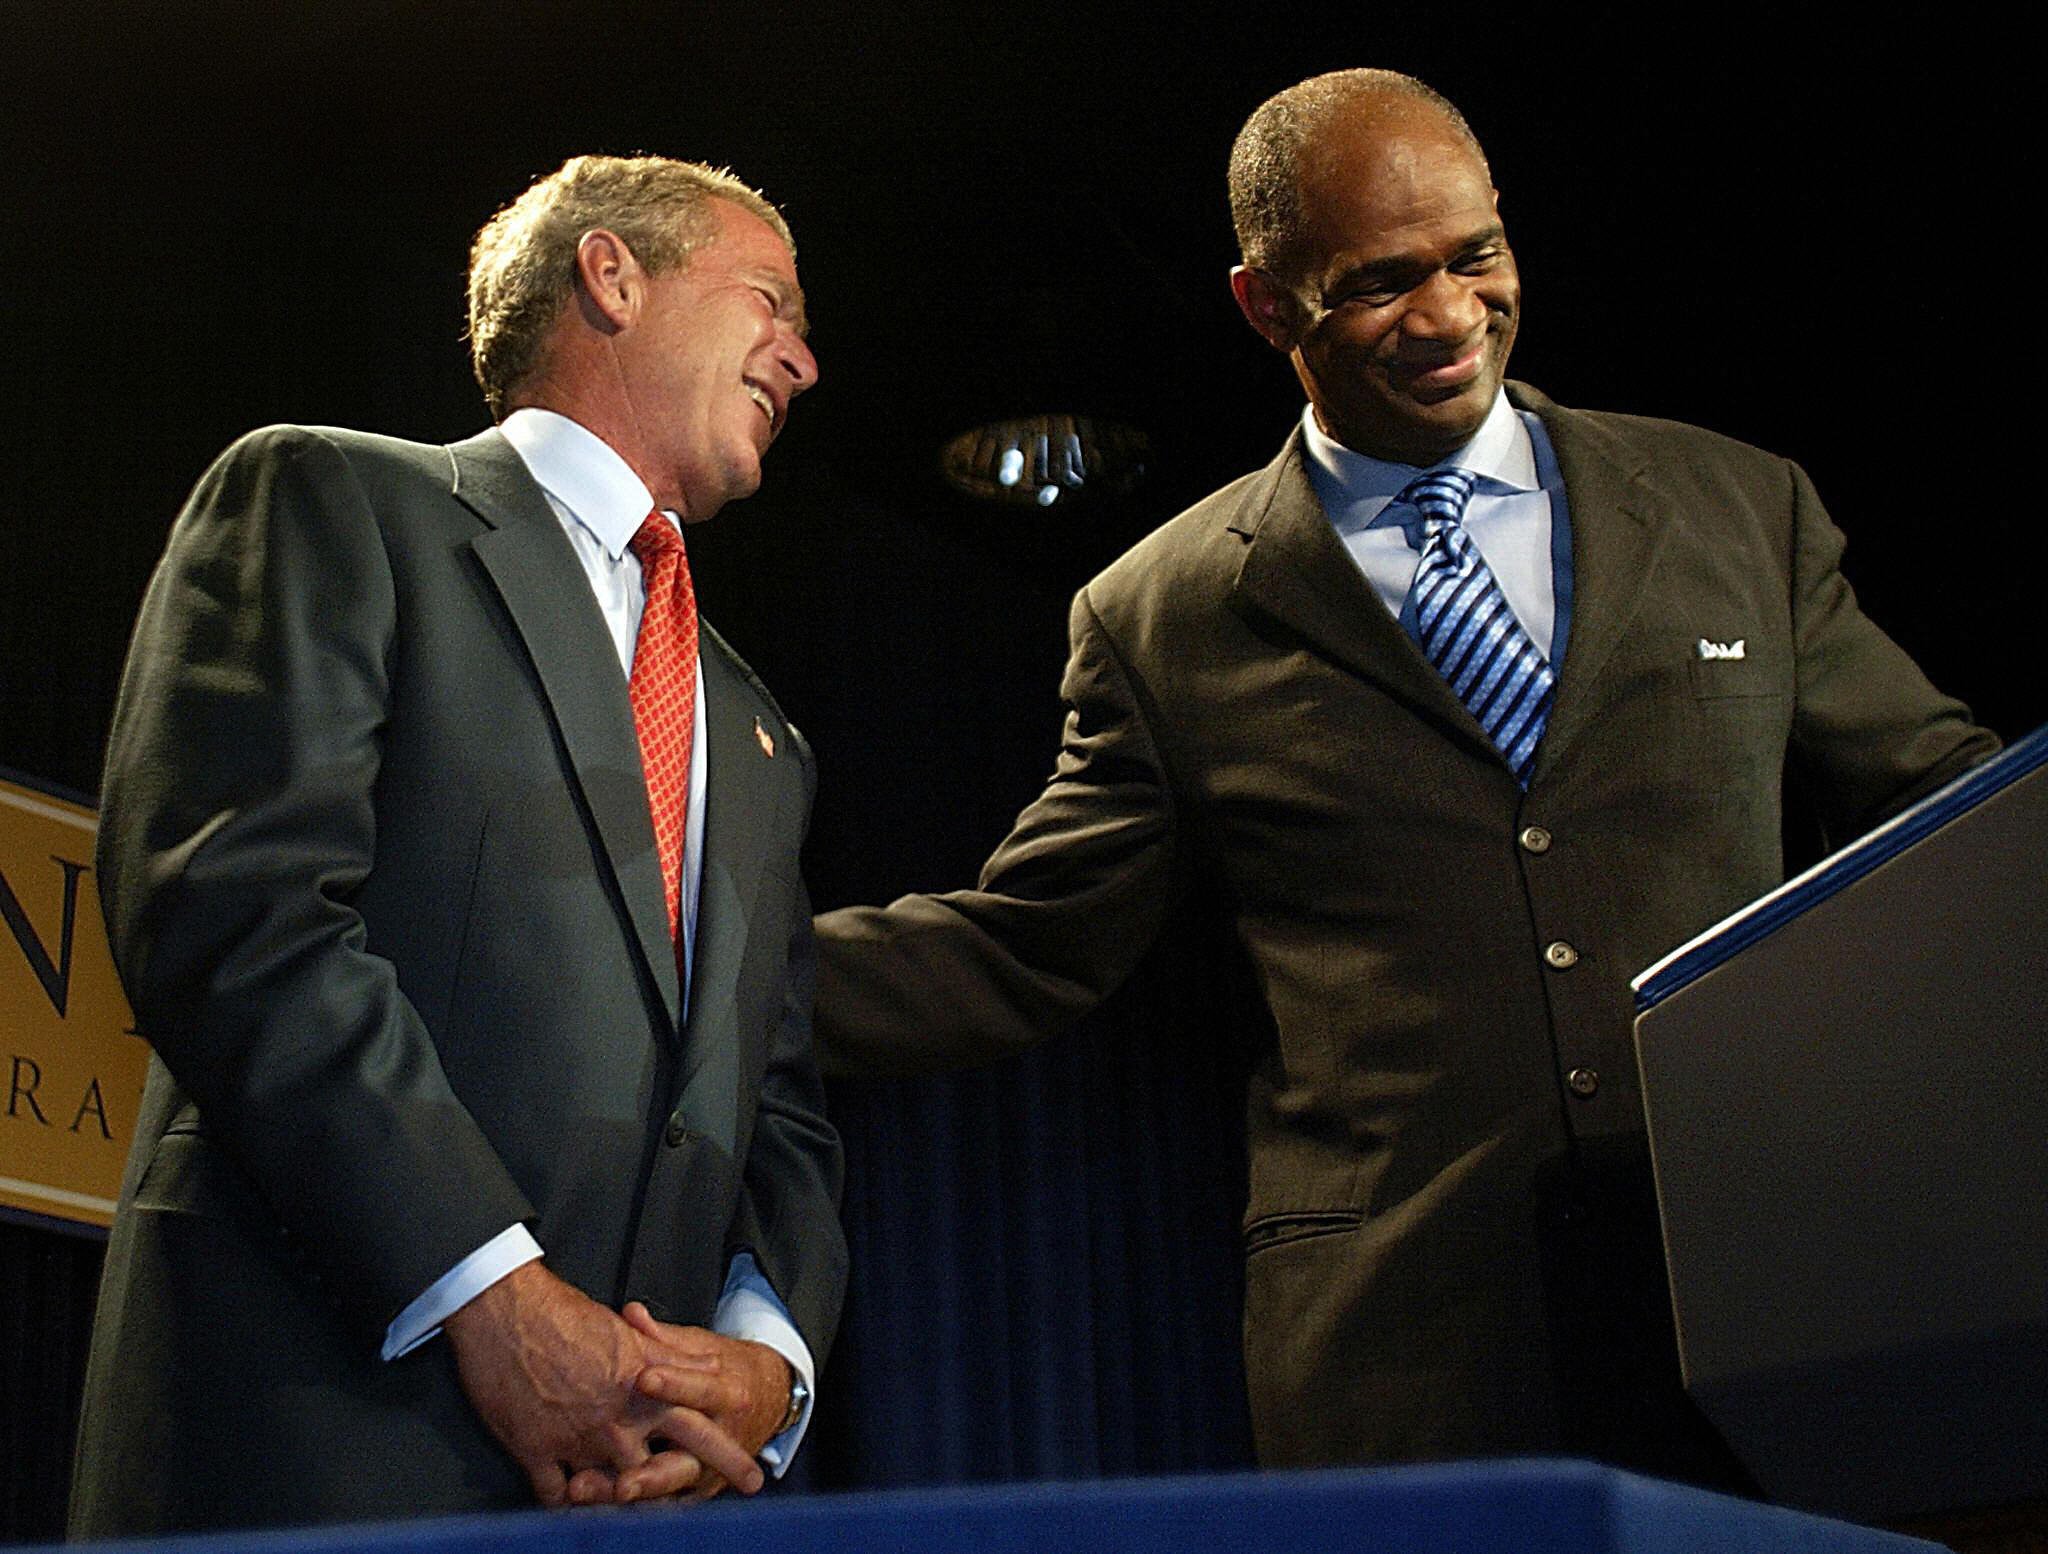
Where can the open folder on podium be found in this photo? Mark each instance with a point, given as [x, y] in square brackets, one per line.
[1847, 1095]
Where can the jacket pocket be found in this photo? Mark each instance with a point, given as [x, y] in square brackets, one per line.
[1724, 679]
[187, 1174]
[1271, 1230]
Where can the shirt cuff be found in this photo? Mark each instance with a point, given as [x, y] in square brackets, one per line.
[510, 1248]
[751, 1309]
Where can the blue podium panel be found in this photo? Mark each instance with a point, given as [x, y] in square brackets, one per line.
[1846, 1089]
[1519, 1507]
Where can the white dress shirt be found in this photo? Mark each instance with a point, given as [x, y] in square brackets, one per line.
[601, 503]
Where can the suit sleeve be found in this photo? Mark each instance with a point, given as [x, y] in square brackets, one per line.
[794, 1170]
[1870, 734]
[1064, 909]
[237, 821]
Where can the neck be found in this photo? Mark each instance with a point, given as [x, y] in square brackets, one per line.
[599, 413]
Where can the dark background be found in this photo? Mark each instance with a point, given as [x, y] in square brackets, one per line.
[221, 214]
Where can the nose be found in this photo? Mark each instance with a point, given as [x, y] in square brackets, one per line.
[796, 359]
[1444, 307]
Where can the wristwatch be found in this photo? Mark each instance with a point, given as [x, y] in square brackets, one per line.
[799, 1395]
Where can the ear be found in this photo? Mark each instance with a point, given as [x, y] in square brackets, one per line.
[1267, 306]
[609, 276]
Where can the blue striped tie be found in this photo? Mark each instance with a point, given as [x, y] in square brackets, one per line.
[1466, 628]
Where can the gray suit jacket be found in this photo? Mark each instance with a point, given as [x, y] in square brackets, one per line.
[381, 882]
[1439, 951]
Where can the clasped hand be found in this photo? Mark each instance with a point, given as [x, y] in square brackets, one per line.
[600, 1407]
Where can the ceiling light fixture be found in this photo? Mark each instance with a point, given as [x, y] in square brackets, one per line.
[1044, 460]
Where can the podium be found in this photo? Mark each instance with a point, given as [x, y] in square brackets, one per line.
[1846, 1087]
[1510, 1507]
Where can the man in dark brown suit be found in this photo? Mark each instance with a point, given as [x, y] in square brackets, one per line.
[1450, 1245]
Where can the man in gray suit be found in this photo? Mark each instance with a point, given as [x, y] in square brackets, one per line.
[1450, 1244]
[481, 1158]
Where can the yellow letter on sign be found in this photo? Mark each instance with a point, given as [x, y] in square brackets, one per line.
[70, 1070]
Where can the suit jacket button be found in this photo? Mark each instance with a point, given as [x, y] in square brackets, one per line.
[1535, 839]
[1585, 1082]
[675, 1132]
[1561, 955]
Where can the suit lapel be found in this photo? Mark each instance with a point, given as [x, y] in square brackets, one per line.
[1618, 521]
[1297, 572]
[739, 811]
[529, 561]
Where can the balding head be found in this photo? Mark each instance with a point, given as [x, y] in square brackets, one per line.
[1376, 261]
[1286, 142]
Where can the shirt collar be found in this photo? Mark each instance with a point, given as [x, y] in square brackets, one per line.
[583, 472]
[1355, 486]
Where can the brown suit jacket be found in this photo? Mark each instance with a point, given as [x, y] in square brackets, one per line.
[1440, 952]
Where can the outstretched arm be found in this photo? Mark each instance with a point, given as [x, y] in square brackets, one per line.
[1064, 909]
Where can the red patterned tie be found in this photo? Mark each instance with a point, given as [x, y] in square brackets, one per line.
[664, 691]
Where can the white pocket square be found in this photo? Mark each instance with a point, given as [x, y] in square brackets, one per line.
[1722, 649]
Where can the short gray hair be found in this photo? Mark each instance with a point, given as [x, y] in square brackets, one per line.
[1265, 161]
[522, 266]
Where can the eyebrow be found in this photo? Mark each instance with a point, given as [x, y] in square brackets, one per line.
[803, 316]
[1395, 265]
[1485, 237]
[775, 281]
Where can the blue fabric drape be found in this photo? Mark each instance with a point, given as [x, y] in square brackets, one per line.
[1047, 1274]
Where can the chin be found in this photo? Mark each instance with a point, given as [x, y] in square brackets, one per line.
[1457, 417]
[707, 495]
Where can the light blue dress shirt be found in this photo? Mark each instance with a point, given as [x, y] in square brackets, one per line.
[1517, 517]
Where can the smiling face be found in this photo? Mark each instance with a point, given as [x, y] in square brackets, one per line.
[1400, 304]
[708, 363]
